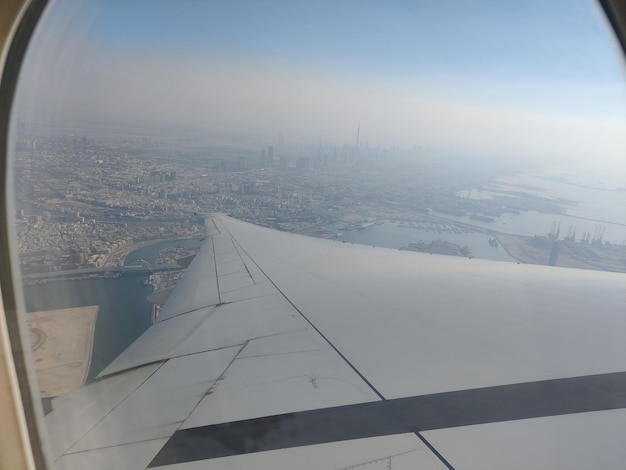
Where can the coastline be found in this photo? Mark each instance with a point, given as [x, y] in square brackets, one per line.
[525, 249]
[118, 256]
[111, 269]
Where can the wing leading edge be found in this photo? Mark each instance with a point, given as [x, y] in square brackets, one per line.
[277, 349]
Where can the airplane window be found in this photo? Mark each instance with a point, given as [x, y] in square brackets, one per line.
[378, 234]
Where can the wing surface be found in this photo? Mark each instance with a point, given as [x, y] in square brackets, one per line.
[280, 351]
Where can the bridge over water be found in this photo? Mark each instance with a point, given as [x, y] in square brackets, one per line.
[142, 268]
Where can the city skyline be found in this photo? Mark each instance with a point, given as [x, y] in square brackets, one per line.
[538, 82]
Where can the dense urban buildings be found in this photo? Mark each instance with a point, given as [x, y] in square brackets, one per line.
[82, 199]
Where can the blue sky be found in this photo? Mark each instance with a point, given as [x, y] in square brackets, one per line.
[548, 39]
[545, 59]
[534, 31]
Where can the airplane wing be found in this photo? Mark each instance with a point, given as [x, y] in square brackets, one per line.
[282, 351]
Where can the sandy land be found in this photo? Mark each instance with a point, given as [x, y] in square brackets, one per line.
[521, 250]
[62, 341]
[572, 255]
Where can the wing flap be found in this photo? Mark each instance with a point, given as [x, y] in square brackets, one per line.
[158, 342]
[80, 411]
[160, 404]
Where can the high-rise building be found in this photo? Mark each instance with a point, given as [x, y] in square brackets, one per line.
[554, 253]
[303, 163]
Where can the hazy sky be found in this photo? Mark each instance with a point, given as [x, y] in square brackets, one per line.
[532, 78]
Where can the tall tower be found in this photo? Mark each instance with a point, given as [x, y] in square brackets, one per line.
[554, 253]
[358, 135]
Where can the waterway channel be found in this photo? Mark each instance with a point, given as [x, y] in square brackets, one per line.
[391, 234]
[124, 313]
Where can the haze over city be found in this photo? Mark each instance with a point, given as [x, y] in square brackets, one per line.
[540, 81]
[321, 119]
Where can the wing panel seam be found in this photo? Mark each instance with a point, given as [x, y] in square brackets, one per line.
[352, 366]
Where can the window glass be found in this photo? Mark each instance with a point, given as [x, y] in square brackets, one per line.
[493, 131]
